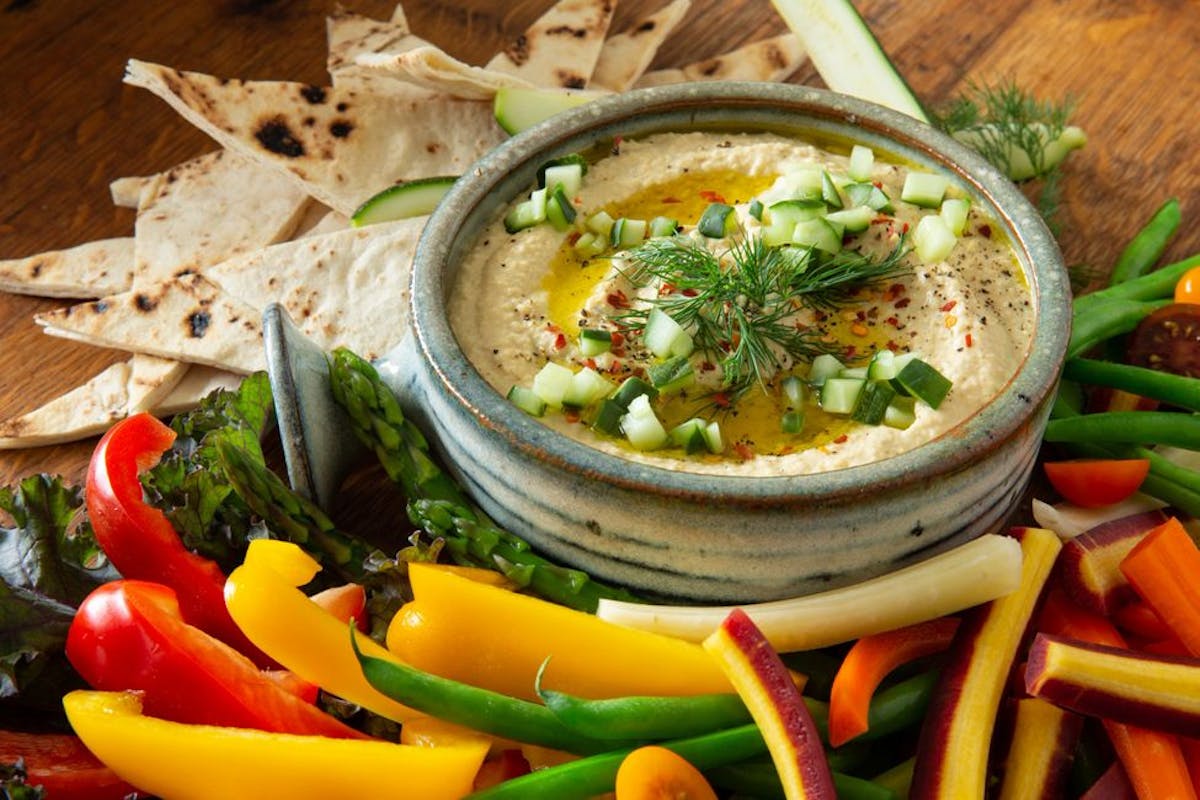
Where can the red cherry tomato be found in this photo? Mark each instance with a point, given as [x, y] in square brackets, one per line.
[1188, 288]
[1098, 482]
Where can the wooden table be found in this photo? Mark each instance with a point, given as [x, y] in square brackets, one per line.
[68, 126]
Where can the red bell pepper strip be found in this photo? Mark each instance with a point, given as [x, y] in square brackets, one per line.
[140, 540]
[1153, 760]
[62, 766]
[869, 661]
[130, 636]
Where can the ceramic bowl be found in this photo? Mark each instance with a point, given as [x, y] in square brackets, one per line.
[715, 538]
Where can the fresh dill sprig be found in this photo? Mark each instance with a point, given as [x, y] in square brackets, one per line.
[740, 305]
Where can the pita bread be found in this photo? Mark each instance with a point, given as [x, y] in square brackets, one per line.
[346, 288]
[92, 269]
[430, 68]
[341, 144]
[127, 192]
[320, 220]
[198, 383]
[187, 318]
[175, 231]
[349, 35]
[628, 54]
[771, 59]
[124, 388]
[560, 49]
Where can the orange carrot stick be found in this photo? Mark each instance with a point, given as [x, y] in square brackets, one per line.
[869, 661]
[1163, 568]
[1153, 760]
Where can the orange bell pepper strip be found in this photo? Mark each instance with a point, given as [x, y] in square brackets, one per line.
[497, 639]
[869, 661]
[264, 600]
[1153, 760]
[1163, 568]
[199, 762]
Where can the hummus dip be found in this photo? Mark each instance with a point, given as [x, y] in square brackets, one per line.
[521, 299]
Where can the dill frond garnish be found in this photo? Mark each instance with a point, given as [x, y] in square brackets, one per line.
[740, 305]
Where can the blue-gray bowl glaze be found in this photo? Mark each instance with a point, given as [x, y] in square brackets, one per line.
[716, 538]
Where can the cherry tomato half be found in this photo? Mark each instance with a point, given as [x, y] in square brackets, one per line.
[1097, 482]
[1188, 288]
[1168, 340]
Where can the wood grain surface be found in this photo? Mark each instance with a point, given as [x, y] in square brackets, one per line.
[68, 126]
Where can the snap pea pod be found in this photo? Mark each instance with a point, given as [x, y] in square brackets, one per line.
[1128, 427]
[480, 709]
[1107, 319]
[1156, 285]
[760, 779]
[1148, 245]
[1178, 390]
[597, 774]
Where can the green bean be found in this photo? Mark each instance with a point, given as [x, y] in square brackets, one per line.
[898, 778]
[480, 709]
[1128, 427]
[761, 779]
[1107, 319]
[646, 718]
[901, 705]
[1178, 390]
[1148, 245]
[597, 774]
[1156, 285]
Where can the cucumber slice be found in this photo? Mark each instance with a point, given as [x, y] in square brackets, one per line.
[862, 162]
[818, 233]
[712, 436]
[829, 191]
[824, 366]
[559, 211]
[901, 412]
[404, 200]
[923, 382]
[883, 366]
[792, 422]
[933, 240]
[717, 221]
[601, 223]
[873, 403]
[568, 171]
[671, 375]
[840, 395]
[846, 54]
[924, 189]
[793, 391]
[663, 226]
[665, 337]
[854, 220]
[756, 209]
[527, 400]
[869, 195]
[594, 341]
[955, 210]
[627, 233]
[587, 387]
[590, 245]
[641, 426]
[690, 436]
[518, 109]
[795, 210]
[552, 382]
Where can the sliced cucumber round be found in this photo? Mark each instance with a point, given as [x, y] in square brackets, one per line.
[404, 200]
[517, 109]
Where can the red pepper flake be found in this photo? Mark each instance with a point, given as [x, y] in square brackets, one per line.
[893, 321]
[902, 302]
[573, 237]
[689, 293]
[616, 145]
[560, 341]
[841, 439]
[590, 363]
[969, 341]
[904, 228]
[570, 415]
[618, 299]
[711, 196]
[985, 230]
[617, 339]
[666, 289]
[877, 184]
[671, 199]
[721, 400]
[949, 306]
[707, 366]
[744, 451]
[850, 352]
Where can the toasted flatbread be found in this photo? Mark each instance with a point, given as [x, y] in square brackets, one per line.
[188, 318]
[91, 269]
[175, 229]
[771, 59]
[341, 145]
[349, 35]
[560, 49]
[626, 56]
[127, 192]
[430, 68]
[319, 220]
[198, 383]
[124, 388]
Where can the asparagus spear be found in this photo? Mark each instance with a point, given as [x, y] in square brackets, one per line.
[437, 504]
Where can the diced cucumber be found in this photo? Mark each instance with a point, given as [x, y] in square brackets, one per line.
[712, 436]
[590, 245]
[795, 210]
[600, 223]
[569, 176]
[404, 200]
[608, 417]
[756, 209]
[641, 425]
[552, 382]
[632, 387]
[873, 402]
[923, 382]
[862, 162]
[671, 375]
[664, 337]
[559, 210]
[663, 226]
[901, 412]
[587, 386]
[627, 233]
[924, 189]
[527, 213]
[853, 372]
[869, 195]
[955, 211]
[839, 395]
[690, 436]
[777, 233]
[829, 191]
[817, 233]
[933, 240]
[594, 341]
[853, 220]
[793, 391]
[517, 109]
[527, 400]
[569, 158]
[792, 422]
[717, 221]
[824, 366]
[883, 366]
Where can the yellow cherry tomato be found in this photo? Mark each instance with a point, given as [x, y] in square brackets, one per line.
[1187, 290]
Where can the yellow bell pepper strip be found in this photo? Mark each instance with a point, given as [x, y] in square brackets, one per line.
[497, 639]
[200, 762]
[264, 600]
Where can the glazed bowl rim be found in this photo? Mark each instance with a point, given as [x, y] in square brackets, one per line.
[472, 202]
